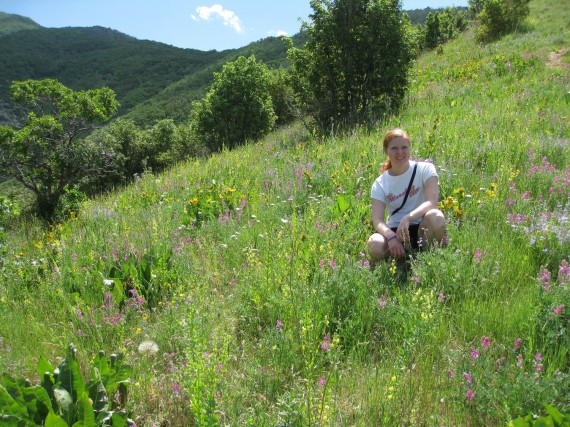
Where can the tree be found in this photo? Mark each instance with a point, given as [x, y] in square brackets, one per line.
[354, 67]
[238, 107]
[49, 154]
[499, 17]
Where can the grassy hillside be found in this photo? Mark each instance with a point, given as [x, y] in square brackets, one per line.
[237, 287]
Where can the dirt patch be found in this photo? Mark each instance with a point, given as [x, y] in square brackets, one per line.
[555, 59]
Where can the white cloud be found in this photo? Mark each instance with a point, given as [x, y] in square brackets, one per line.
[218, 11]
[281, 33]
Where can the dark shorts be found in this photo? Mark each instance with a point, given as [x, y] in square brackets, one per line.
[414, 235]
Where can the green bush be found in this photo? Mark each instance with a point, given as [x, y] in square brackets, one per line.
[500, 17]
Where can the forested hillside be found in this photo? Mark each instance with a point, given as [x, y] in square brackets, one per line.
[10, 23]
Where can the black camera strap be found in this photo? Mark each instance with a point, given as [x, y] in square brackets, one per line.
[407, 191]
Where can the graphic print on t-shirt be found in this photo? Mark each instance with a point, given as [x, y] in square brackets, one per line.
[391, 197]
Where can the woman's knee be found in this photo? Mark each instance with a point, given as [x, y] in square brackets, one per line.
[376, 246]
[434, 220]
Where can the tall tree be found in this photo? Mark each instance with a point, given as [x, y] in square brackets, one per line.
[238, 107]
[49, 154]
[354, 67]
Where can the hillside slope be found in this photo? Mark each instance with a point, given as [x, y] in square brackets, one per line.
[86, 58]
[10, 23]
[238, 289]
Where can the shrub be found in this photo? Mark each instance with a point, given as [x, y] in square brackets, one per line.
[500, 17]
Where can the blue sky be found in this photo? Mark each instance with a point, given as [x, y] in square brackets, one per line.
[195, 24]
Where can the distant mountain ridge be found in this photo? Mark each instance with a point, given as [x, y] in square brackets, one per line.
[10, 23]
[152, 80]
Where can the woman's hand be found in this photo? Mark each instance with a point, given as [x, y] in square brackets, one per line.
[396, 248]
[403, 232]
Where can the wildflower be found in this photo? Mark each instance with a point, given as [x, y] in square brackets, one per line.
[467, 377]
[486, 342]
[474, 354]
[383, 301]
[393, 268]
[544, 276]
[326, 344]
[441, 297]
[450, 373]
[477, 256]
[219, 367]
[415, 279]
[558, 310]
[470, 395]
[564, 273]
[149, 347]
[518, 342]
[279, 326]
[322, 381]
[176, 387]
[108, 282]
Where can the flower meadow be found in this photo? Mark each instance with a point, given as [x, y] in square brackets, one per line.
[238, 291]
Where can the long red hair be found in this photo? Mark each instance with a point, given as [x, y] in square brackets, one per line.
[394, 133]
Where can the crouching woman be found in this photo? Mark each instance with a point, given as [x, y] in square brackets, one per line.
[409, 191]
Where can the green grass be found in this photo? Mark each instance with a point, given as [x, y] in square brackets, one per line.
[263, 307]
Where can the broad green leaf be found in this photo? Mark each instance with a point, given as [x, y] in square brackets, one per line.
[118, 291]
[13, 387]
[86, 417]
[70, 375]
[342, 204]
[54, 420]
[64, 403]
[519, 422]
[10, 407]
[37, 402]
[544, 422]
[97, 393]
[43, 367]
[557, 417]
[567, 97]
[119, 419]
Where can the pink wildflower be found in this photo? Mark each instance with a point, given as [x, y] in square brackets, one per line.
[544, 276]
[451, 373]
[564, 273]
[279, 326]
[477, 255]
[518, 343]
[558, 310]
[474, 354]
[470, 395]
[467, 377]
[486, 342]
[326, 344]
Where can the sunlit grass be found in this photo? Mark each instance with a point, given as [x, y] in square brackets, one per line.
[258, 296]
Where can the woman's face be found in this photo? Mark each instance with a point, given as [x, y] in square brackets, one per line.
[398, 151]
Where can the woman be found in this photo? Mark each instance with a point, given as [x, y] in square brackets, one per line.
[410, 191]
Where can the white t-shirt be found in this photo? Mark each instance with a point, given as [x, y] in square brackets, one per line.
[391, 191]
